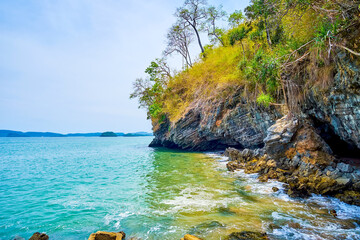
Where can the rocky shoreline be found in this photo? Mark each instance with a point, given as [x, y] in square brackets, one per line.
[295, 154]
[316, 150]
[101, 235]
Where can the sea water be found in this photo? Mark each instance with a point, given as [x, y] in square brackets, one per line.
[72, 187]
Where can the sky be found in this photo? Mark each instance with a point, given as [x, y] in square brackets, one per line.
[68, 65]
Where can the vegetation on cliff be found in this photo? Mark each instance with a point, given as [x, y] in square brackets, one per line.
[274, 53]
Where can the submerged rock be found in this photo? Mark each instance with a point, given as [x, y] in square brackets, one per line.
[333, 212]
[39, 236]
[100, 235]
[247, 235]
[206, 227]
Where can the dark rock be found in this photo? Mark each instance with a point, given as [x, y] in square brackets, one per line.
[207, 127]
[206, 227]
[275, 189]
[273, 226]
[100, 235]
[333, 212]
[247, 235]
[39, 236]
[18, 238]
[294, 225]
[351, 197]
[232, 166]
[345, 168]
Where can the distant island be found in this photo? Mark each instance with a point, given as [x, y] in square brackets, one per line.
[108, 134]
[10, 133]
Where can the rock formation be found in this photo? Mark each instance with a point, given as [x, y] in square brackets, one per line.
[318, 151]
[100, 235]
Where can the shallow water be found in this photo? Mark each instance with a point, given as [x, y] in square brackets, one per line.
[71, 187]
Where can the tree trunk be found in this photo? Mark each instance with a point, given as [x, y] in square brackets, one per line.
[198, 37]
[242, 45]
[267, 33]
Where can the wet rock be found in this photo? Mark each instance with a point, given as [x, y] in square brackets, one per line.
[206, 227]
[356, 186]
[347, 224]
[275, 189]
[101, 235]
[247, 235]
[273, 226]
[345, 168]
[233, 165]
[190, 237]
[39, 236]
[333, 212]
[343, 180]
[18, 238]
[294, 225]
[351, 197]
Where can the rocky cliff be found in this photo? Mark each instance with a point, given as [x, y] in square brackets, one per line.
[234, 121]
[318, 151]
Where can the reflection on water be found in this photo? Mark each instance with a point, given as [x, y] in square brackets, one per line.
[72, 187]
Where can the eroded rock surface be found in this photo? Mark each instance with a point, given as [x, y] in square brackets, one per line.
[295, 154]
[101, 235]
[217, 125]
[39, 236]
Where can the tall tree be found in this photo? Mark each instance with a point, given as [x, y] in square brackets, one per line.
[236, 18]
[179, 38]
[192, 13]
[263, 9]
[212, 16]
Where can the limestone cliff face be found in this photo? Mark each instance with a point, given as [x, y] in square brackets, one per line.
[218, 124]
[337, 111]
[234, 122]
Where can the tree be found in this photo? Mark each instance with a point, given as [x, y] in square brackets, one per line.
[150, 90]
[238, 34]
[212, 15]
[262, 9]
[179, 38]
[192, 13]
[236, 18]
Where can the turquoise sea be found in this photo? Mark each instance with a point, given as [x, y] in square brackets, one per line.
[72, 187]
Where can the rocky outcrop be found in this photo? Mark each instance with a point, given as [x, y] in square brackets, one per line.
[217, 124]
[295, 154]
[190, 237]
[39, 236]
[100, 235]
[336, 110]
[332, 107]
[316, 152]
[247, 235]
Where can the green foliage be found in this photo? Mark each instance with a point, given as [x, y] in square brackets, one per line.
[294, 39]
[264, 99]
[263, 70]
[150, 91]
[324, 31]
[155, 110]
[237, 34]
[236, 18]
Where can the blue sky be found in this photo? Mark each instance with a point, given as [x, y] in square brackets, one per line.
[68, 65]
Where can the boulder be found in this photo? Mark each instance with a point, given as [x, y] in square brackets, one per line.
[39, 236]
[100, 235]
[345, 168]
[190, 237]
[247, 235]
